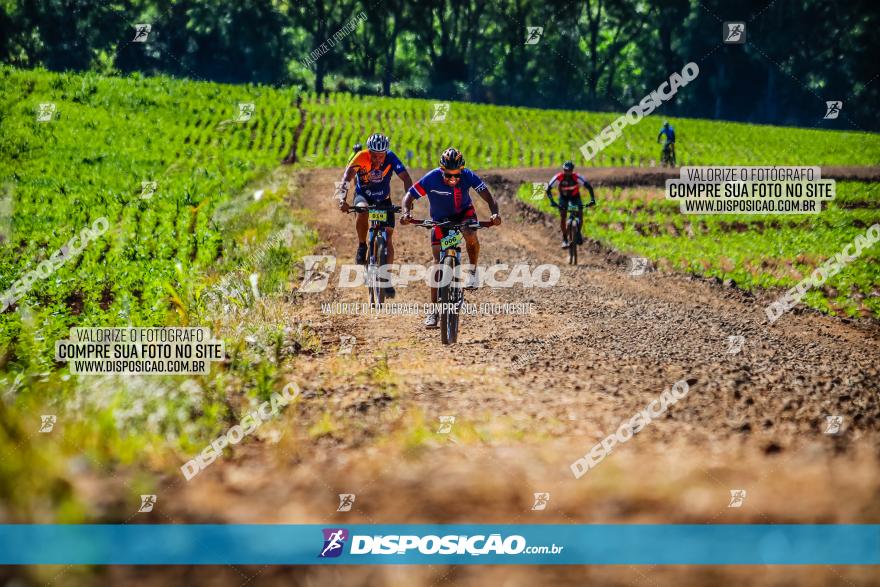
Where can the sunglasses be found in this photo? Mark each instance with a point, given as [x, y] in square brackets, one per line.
[448, 175]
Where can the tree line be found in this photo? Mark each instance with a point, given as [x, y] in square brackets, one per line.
[581, 54]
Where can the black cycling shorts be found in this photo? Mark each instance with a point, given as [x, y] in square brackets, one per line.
[564, 201]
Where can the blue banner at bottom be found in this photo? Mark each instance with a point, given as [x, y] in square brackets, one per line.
[459, 544]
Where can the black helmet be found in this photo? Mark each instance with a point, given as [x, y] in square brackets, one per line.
[451, 159]
[358, 147]
[568, 165]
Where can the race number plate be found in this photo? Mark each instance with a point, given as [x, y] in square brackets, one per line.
[450, 240]
[574, 207]
[380, 215]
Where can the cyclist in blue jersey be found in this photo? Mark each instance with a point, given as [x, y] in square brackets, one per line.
[448, 190]
[669, 132]
[371, 169]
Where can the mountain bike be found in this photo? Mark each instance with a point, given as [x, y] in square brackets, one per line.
[377, 248]
[450, 295]
[667, 156]
[573, 229]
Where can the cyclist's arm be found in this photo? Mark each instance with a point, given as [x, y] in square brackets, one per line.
[400, 170]
[407, 205]
[592, 194]
[342, 192]
[407, 180]
[550, 190]
[493, 205]
[412, 194]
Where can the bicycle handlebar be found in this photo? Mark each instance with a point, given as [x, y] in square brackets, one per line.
[354, 209]
[448, 223]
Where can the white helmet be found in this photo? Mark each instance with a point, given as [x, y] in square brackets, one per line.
[378, 142]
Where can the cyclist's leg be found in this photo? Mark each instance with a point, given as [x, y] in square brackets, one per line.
[362, 224]
[435, 249]
[389, 232]
[389, 242]
[472, 243]
[432, 317]
[580, 217]
[563, 215]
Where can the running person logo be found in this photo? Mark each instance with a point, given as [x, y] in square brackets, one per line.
[317, 271]
[541, 501]
[533, 34]
[441, 109]
[141, 33]
[446, 423]
[245, 111]
[45, 112]
[147, 503]
[734, 33]
[735, 344]
[346, 344]
[638, 266]
[832, 109]
[737, 498]
[835, 424]
[346, 500]
[47, 423]
[148, 188]
[334, 542]
[538, 191]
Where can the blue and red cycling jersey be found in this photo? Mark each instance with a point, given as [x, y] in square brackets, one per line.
[374, 183]
[446, 200]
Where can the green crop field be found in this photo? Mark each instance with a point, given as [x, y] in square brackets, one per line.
[104, 139]
[165, 251]
[163, 259]
[497, 136]
[108, 135]
[754, 251]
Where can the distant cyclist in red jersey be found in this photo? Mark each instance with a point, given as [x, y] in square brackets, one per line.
[569, 193]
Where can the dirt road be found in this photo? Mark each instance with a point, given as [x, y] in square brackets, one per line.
[532, 393]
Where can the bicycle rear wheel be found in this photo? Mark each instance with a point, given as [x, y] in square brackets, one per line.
[449, 295]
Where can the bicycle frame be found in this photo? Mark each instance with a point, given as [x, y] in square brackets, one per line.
[377, 235]
[451, 296]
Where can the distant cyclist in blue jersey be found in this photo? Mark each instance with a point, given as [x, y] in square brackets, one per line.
[670, 139]
[447, 189]
[371, 169]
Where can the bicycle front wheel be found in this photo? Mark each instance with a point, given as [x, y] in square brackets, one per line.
[573, 234]
[377, 289]
[449, 296]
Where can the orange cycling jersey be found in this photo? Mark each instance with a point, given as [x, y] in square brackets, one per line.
[374, 183]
